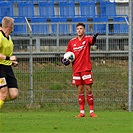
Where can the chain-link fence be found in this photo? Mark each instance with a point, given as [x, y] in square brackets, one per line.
[42, 79]
[50, 81]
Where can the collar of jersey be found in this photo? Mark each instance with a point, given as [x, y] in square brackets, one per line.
[4, 35]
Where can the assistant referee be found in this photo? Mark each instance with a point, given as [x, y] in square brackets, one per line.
[8, 82]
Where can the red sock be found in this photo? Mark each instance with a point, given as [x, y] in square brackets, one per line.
[90, 100]
[81, 101]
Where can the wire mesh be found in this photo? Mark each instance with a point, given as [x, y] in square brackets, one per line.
[52, 80]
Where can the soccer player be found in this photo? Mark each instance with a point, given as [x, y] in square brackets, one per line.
[82, 68]
[8, 82]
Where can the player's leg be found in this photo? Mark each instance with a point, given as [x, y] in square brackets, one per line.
[3, 95]
[13, 94]
[90, 100]
[81, 100]
[1, 103]
[12, 85]
[3, 85]
[77, 80]
[88, 81]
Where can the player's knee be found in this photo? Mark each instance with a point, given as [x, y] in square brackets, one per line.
[14, 95]
[3, 94]
[80, 101]
[3, 97]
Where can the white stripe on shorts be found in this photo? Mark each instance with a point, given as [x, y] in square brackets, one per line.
[76, 77]
[86, 77]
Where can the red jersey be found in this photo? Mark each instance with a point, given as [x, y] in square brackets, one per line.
[81, 49]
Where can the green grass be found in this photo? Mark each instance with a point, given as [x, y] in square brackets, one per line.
[41, 121]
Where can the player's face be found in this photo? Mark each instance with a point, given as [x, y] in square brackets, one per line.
[11, 28]
[80, 30]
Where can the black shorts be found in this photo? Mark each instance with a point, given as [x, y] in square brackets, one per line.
[7, 77]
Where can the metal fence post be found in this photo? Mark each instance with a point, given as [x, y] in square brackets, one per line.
[57, 42]
[107, 39]
[130, 54]
[31, 63]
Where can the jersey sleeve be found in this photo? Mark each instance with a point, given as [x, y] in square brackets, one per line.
[69, 47]
[91, 42]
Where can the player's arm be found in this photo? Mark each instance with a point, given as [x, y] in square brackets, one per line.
[14, 63]
[11, 58]
[94, 38]
[65, 61]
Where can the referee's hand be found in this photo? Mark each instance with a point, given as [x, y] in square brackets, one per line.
[14, 63]
[13, 58]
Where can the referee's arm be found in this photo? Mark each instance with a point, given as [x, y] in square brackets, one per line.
[4, 57]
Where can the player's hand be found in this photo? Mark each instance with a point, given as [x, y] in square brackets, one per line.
[13, 58]
[95, 35]
[14, 63]
[65, 61]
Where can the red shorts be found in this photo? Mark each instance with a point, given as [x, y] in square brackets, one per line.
[82, 78]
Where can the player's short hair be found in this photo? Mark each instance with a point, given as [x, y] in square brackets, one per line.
[7, 22]
[80, 24]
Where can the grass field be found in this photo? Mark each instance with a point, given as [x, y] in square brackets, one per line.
[41, 121]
